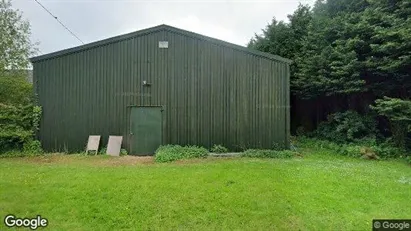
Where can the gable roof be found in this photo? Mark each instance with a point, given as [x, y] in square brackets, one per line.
[158, 28]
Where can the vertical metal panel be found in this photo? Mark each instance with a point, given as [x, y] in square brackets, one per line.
[211, 94]
[287, 106]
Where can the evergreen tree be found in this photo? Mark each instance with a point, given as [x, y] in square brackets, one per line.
[344, 51]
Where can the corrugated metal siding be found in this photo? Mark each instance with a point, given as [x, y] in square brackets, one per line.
[211, 94]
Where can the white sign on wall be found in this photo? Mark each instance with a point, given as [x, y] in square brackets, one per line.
[163, 44]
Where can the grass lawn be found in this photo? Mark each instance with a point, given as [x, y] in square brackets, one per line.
[317, 192]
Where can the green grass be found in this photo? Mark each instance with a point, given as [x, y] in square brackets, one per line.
[264, 153]
[317, 192]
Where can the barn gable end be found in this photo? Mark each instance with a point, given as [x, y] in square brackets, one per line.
[210, 92]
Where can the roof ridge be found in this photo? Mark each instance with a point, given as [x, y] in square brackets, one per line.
[157, 28]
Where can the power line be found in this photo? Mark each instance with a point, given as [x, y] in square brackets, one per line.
[55, 17]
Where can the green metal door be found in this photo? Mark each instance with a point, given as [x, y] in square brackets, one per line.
[146, 130]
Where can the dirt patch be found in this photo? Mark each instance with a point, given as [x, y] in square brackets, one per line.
[126, 160]
[50, 158]
[88, 160]
[107, 161]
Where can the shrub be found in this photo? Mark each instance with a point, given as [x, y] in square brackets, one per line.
[345, 127]
[408, 159]
[278, 146]
[123, 152]
[266, 153]
[168, 153]
[384, 150]
[33, 146]
[219, 149]
[19, 117]
[398, 112]
[300, 131]
[351, 150]
[306, 142]
[13, 138]
[15, 90]
[18, 125]
[30, 148]
[102, 151]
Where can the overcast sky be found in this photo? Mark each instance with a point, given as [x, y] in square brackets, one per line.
[92, 20]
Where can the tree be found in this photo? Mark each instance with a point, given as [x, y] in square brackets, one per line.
[19, 117]
[388, 62]
[15, 43]
[15, 90]
[285, 39]
[346, 53]
[398, 113]
[276, 39]
[328, 63]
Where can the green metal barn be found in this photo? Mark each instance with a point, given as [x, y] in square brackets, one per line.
[162, 85]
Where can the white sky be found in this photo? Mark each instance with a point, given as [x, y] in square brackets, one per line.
[92, 20]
